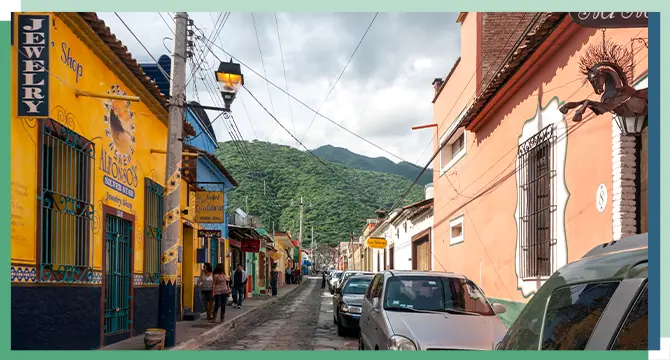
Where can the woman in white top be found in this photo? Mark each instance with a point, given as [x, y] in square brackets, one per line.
[206, 283]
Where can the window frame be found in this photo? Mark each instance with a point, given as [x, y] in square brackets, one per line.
[448, 139]
[459, 220]
[52, 133]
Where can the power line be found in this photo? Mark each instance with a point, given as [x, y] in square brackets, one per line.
[281, 52]
[144, 47]
[260, 52]
[300, 101]
[341, 73]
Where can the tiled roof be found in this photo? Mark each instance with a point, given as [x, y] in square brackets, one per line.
[530, 42]
[103, 31]
[214, 160]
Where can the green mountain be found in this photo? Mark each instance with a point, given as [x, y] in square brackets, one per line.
[382, 164]
[336, 202]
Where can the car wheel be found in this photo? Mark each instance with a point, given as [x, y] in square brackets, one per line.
[341, 330]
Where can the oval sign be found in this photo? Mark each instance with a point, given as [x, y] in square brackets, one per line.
[601, 198]
[377, 243]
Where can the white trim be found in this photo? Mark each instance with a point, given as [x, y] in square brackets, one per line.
[455, 222]
[559, 256]
[458, 156]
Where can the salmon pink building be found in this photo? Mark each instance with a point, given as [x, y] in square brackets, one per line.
[520, 189]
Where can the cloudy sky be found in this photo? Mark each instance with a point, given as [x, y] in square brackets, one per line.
[385, 90]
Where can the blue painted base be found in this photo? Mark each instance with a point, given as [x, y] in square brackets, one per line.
[145, 309]
[167, 311]
[56, 317]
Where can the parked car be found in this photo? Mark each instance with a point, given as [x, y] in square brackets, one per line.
[334, 277]
[598, 302]
[417, 310]
[349, 273]
[347, 303]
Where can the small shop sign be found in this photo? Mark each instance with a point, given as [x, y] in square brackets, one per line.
[610, 20]
[377, 243]
[252, 246]
[209, 233]
[209, 206]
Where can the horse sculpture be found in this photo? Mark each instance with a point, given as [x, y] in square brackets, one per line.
[608, 69]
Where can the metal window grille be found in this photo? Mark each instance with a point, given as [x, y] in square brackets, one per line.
[67, 167]
[537, 169]
[153, 228]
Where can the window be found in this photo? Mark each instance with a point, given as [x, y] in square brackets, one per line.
[456, 231]
[572, 314]
[634, 332]
[153, 230]
[454, 149]
[537, 208]
[66, 204]
[372, 289]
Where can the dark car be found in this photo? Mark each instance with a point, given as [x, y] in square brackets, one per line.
[347, 303]
[598, 302]
[346, 275]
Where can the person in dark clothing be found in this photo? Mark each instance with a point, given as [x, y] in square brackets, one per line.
[239, 283]
[289, 275]
[323, 280]
[274, 280]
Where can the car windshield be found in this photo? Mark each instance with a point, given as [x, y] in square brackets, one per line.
[337, 275]
[435, 293]
[356, 286]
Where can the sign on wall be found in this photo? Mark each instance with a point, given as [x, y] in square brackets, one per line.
[601, 198]
[209, 233]
[33, 65]
[209, 206]
[252, 246]
[610, 20]
[377, 243]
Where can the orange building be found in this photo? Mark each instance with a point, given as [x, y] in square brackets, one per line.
[521, 189]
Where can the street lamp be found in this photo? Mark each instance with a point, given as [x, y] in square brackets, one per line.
[631, 125]
[230, 78]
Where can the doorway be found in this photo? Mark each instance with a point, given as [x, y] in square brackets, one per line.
[421, 251]
[118, 270]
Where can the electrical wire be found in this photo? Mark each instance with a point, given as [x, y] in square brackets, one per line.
[260, 52]
[341, 73]
[281, 52]
[298, 100]
[144, 47]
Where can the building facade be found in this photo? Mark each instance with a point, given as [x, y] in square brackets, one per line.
[522, 189]
[84, 264]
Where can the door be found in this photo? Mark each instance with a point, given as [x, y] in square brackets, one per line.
[117, 274]
[214, 251]
[421, 254]
[377, 325]
[367, 329]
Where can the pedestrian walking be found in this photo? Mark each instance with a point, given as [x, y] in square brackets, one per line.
[274, 279]
[206, 283]
[323, 280]
[289, 275]
[296, 275]
[239, 283]
[221, 290]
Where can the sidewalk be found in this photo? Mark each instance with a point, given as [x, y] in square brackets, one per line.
[193, 334]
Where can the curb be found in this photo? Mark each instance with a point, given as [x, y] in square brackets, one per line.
[210, 335]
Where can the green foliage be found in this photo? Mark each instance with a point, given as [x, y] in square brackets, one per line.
[336, 202]
[381, 164]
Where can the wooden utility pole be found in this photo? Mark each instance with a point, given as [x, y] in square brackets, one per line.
[167, 293]
[301, 211]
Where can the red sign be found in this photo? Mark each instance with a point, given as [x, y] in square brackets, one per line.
[252, 246]
[235, 243]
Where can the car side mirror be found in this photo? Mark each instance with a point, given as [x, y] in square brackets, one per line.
[375, 303]
[499, 308]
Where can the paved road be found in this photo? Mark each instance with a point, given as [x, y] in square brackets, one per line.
[303, 320]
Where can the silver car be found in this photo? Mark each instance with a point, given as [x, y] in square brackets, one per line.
[413, 310]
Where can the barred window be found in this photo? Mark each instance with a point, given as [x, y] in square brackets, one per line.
[537, 205]
[153, 228]
[67, 165]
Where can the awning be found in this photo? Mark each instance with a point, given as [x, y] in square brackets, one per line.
[284, 239]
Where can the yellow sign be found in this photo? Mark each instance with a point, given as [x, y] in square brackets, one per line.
[209, 206]
[377, 243]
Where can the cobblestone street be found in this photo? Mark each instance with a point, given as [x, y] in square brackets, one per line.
[303, 320]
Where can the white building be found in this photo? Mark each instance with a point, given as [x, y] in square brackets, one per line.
[409, 235]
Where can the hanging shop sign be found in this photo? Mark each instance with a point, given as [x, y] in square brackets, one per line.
[252, 246]
[209, 233]
[610, 20]
[116, 158]
[376, 243]
[209, 206]
[33, 65]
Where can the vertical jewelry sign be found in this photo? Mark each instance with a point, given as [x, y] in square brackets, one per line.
[33, 63]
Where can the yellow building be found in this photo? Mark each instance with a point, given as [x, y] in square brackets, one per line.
[88, 133]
